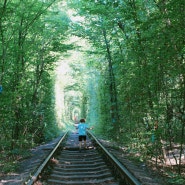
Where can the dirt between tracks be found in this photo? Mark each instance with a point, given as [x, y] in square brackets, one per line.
[27, 166]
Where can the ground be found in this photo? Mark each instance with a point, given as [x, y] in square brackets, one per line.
[143, 172]
[28, 165]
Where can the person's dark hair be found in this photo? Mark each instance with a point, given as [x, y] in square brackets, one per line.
[82, 121]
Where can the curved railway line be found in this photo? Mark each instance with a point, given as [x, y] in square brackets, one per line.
[93, 165]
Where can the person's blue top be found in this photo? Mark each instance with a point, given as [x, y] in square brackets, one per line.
[82, 127]
[1, 88]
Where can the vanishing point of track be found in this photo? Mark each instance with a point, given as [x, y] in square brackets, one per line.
[91, 166]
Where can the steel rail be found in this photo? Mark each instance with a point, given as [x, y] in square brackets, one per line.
[39, 170]
[130, 178]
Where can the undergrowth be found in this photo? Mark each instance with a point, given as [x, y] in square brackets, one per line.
[9, 160]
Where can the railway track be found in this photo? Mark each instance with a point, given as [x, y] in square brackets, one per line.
[92, 165]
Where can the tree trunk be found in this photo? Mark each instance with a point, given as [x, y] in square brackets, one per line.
[113, 92]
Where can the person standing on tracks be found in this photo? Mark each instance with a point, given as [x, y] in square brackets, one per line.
[82, 128]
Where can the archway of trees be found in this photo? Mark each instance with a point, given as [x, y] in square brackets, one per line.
[120, 64]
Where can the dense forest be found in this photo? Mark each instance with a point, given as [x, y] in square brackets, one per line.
[118, 63]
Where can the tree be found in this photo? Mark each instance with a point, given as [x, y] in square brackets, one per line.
[30, 47]
[144, 45]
